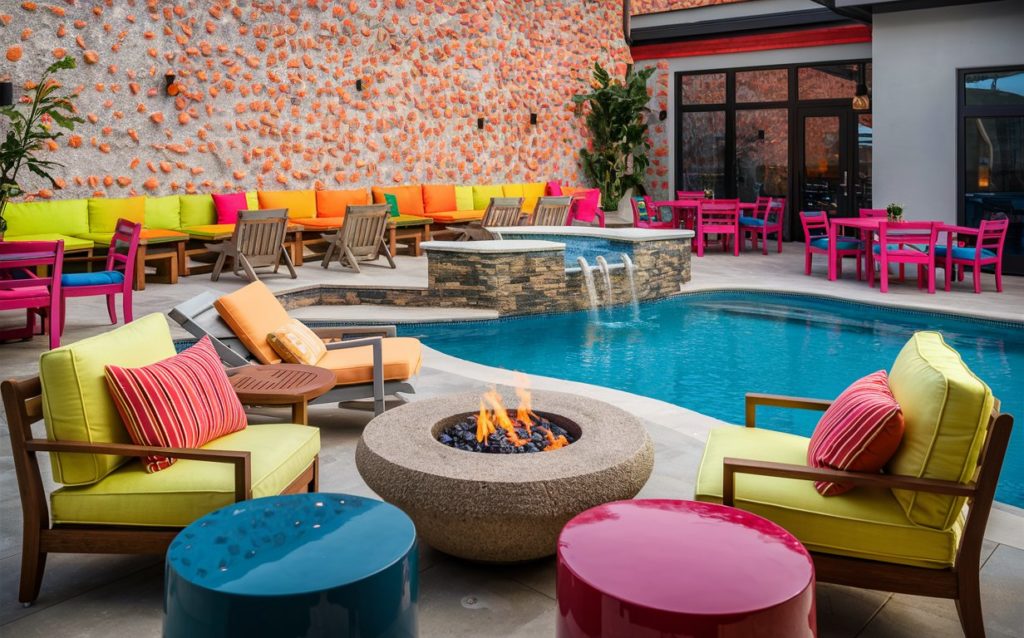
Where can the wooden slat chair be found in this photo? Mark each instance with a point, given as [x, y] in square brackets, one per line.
[915, 530]
[502, 212]
[258, 240]
[551, 211]
[361, 237]
[107, 503]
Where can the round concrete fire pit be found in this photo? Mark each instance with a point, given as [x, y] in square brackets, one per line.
[501, 507]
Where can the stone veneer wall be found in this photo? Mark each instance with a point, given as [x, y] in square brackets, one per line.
[268, 97]
[515, 283]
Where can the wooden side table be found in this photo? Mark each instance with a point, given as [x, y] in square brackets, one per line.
[282, 384]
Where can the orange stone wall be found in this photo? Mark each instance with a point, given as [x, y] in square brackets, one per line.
[268, 99]
[641, 7]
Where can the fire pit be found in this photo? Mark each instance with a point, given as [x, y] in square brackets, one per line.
[502, 507]
[496, 430]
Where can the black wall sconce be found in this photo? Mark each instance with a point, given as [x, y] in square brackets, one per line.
[6, 93]
[662, 115]
[480, 123]
[533, 119]
[170, 87]
[359, 85]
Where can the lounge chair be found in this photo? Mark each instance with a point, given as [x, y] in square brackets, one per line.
[551, 211]
[501, 212]
[360, 238]
[369, 361]
[257, 240]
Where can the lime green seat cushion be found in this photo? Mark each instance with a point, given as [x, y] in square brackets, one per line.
[62, 217]
[180, 494]
[149, 235]
[197, 210]
[70, 243]
[163, 212]
[464, 198]
[482, 195]
[76, 402]
[863, 523]
[105, 211]
[946, 409]
[208, 231]
[409, 220]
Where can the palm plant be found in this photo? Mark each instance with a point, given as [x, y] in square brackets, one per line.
[618, 158]
[28, 132]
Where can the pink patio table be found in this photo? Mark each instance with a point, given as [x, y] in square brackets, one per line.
[686, 209]
[867, 226]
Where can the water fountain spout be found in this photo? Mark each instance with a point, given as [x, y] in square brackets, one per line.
[588, 281]
[631, 278]
[606, 277]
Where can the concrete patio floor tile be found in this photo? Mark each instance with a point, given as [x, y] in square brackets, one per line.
[844, 611]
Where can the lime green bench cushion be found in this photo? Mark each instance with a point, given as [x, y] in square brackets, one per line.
[482, 195]
[105, 211]
[76, 402]
[70, 243]
[163, 212]
[863, 523]
[946, 409]
[197, 210]
[409, 220]
[180, 494]
[463, 198]
[62, 217]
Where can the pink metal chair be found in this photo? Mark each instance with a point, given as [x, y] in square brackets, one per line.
[719, 217]
[646, 214]
[905, 243]
[688, 214]
[875, 213]
[987, 250]
[815, 225]
[586, 207]
[21, 288]
[764, 220]
[116, 278]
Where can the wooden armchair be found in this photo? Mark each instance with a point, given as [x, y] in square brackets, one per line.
[551, 211]
[258, 240]
[360, 238]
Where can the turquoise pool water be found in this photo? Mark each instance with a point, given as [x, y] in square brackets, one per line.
[705, 351]
[586, 247]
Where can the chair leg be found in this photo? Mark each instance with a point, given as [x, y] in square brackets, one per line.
[63, 314]
[807, 262]
[112, 309]
[977, 280]
[350, 259]
[288, 263]
[328, 254]
[968, 605]
[250, 274]
[218, 266]
[999, 276]
[778, 240]
[883, 271]
[126, 305]
[856, 258]
[387, 254]
[33, 562]
[764, 242]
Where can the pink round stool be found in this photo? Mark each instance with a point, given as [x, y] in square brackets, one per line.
[660, 568]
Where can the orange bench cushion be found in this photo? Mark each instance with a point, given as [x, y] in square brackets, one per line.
[320, 223]
[252, 313]
[410, 198]
[456, 216]
[438, 198]
[334, 203]
[299, 204]
[402, 359]
[207, 231]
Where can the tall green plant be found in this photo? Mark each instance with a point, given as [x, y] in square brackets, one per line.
[29, 129]
[618, 158]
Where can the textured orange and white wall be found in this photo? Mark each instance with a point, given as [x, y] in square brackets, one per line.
[266, 91]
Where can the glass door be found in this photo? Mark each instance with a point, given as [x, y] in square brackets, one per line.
[823, 162]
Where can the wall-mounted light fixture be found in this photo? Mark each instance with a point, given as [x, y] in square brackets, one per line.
[533, 119]
[480, 123]
[171, 87]
[6, 93]
[662, 115]
[359, 84]
[861, 99]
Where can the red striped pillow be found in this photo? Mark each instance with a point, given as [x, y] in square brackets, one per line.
[859, 432]
[184, 401]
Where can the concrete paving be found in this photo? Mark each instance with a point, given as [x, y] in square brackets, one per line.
[86, 595]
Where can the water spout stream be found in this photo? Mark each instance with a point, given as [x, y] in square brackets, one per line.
[588, 281]
[606, 278]
[630, 277]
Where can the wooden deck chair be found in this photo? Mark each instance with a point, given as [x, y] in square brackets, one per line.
[551, 211]
[501, 213]
[258, 240]
[200, 318]
[360, 238]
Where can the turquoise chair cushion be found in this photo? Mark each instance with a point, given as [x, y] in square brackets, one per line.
[841, 244]
[751, 221]
[964, 252]
[877, 248]
[92, 278]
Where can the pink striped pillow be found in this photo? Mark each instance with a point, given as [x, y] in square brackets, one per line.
[184, 401]
[859, 432]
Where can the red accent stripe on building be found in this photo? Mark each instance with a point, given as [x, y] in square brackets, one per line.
[827, 36]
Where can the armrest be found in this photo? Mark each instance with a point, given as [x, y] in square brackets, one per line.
[377, 343]
[755, 399]
[731, 467]
[364, 331]
[241, 460]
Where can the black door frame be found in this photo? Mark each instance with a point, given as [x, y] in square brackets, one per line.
[848, 157]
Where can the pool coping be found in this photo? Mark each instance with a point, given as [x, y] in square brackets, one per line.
[627, 235]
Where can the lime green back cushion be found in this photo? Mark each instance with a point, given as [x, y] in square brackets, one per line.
[105, 211]
[482, 195]
[76, 402]
[946, 410]
[464, 198]
[163, 212]
[64, 217]
[252, 200]
[197, 210]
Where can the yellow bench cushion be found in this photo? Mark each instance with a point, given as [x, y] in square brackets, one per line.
[70, 243]
[863, 523]
[401, 221]
[105, 211]
[148, 235]
[187, 490]
[456, 216]
[76, 402]
[61, 217]
[532, 191]
[402, 358]
[482, 195]
[946, 409]
[319, 223]
[464, 198]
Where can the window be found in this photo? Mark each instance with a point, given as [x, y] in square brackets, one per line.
[762, 153]
[836, 81]
[703, 143]
[762, 85]
[708, 88]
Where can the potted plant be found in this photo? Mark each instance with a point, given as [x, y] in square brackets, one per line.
[28, 130]
[895, 212]
[617, 158]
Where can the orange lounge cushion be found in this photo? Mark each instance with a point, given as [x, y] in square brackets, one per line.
[410, 198]
[455, 216]
[438, 198]
[320, 223]
[253, 312]
[402, 358]
[207, 231]
[299, 204]
[155, 235]
[334, 203]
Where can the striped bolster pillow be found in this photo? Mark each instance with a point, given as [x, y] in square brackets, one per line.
[859, 432]
[184, 401]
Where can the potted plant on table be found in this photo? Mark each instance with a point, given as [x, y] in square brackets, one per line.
[895, 212]
[617, 159]
[29, 128]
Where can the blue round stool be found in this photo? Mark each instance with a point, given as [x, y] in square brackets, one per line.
[295, 565]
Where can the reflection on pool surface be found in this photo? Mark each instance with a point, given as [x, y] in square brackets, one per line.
[704, 352]
[581, 246]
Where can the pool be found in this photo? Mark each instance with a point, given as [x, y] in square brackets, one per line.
[704, 351]
[580, 246]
